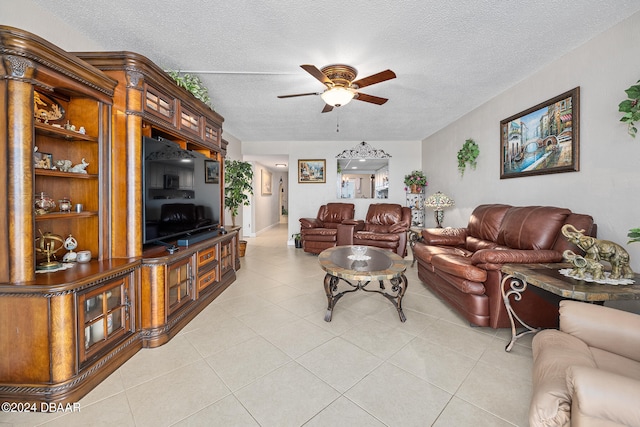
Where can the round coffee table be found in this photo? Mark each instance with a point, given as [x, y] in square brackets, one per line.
[341, 263]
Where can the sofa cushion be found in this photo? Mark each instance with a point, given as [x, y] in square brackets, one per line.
[426, 252]
[459, 266]
[532, 227]
[485, 220]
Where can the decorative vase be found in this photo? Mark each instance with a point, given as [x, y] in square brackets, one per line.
[413, 188]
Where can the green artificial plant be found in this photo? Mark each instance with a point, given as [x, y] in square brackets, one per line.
[631, 108]
[634, 235]
[468, 154]
[237, 186]
[193, 84]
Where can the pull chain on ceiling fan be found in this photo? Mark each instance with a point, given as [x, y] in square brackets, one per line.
[342, 86]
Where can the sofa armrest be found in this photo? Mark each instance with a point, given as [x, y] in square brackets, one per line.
[310, 223]
[514, 256]
[444, 236]
[599, 397]
[602, 327]
[358, 224]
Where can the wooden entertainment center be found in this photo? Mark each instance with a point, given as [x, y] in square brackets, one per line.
[62, 332]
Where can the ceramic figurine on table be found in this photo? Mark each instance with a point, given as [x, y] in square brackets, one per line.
[70, 244]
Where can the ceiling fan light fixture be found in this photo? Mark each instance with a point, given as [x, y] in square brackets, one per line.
[337, 96]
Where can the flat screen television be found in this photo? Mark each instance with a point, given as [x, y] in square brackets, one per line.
[177, 200]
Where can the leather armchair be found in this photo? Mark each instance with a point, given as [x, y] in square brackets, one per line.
[320, 233]
[385, 226]
[588, 372]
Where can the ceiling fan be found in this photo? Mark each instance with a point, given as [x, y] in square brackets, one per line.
[342, 86]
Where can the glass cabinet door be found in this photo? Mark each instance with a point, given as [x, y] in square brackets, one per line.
[179, 284]
[104, 315]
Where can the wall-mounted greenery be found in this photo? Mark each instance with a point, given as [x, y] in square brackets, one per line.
[193, 84]
[634, 235]
[468, 154]
[631, 108]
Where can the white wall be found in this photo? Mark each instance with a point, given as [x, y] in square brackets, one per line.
[26, 15]
[608, 183]
[305, 199]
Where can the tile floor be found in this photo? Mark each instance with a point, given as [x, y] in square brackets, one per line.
[262, 355]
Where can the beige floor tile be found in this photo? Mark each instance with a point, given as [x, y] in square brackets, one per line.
[463, 339]
[434, 363]
[461, 413]
[341, 321]
[398, 398]
[110, 411]
[245, 304]
[176, 395]
[499, 392]
[339, 363]
[280, 293]
[219, 336]
[343, 412]
[305, 304]
[299, 337]
[381, 339]
[416, 322]
[289, 396]
[148, 363]
[241, 364]
[227, 412]
[268, 318]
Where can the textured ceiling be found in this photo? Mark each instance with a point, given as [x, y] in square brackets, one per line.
[449, 57]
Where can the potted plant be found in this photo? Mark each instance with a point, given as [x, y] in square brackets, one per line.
[634, 235]
[416, 181]
[468, 154]
[297, 238]
[238, 176]
[631, 108]
[193, 84]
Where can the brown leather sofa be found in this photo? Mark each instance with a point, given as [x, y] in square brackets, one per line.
[320, 233]
[588, 372]
[462, 265]
[386, 226]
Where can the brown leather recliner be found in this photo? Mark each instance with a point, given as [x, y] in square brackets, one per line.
[462, 265]
[385, 226]
[320, 233]
[588, 372]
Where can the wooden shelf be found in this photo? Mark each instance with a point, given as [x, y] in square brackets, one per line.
[65, 215]
[60, 174]
[59, 132]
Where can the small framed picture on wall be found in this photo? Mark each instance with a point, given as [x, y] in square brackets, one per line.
[311, 171]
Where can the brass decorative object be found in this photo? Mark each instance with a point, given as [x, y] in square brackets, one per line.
[46, 244]
[600, 250]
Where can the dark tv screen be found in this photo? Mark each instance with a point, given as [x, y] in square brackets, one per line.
[177, 200]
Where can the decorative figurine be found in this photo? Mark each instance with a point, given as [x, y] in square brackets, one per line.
[583, 266]
[70, 244]
[80, 167]
[601, 250]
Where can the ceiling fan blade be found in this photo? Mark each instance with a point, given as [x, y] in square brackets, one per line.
[327, 108]
[298, 94]
[370, 98]
[315, 72]
[376, 78]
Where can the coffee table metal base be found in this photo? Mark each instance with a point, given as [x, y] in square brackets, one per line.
[398, 287]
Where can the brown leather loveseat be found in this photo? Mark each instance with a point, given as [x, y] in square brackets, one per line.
[462, 265]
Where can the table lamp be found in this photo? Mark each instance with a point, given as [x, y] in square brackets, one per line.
[438, 201]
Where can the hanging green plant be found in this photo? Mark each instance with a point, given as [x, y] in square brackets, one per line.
[193, 84]
[634, 235]
[468, 154]
[631, 108]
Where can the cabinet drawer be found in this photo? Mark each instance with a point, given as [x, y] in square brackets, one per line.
[207, 278]
[206, 256]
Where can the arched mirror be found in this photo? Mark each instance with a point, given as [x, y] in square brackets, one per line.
[363, 173]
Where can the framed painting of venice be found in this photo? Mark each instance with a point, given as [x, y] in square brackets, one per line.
[542, 139]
